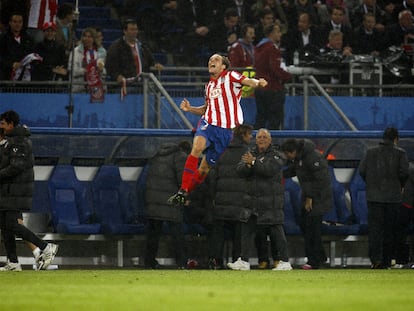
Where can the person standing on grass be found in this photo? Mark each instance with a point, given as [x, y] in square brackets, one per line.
[305, 162]
[220, 113]
[16, 189]
[385, 171]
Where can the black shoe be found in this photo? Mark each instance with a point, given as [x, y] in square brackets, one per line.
[179, 198]
[214, 265]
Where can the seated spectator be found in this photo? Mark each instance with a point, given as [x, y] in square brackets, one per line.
[337, 22]
[307, 6]
[15, 45]
[128, 57]
[365, 7]
[305, 38]
[367, 39]
[402, 6]
[54, 65]
[275, 6]
[402, 32]
[266, 19]
[87, 63]
[223, 34]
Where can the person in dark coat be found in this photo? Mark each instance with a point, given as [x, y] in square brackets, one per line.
[385, 171]
[16, 189]
[164, 176]
[405, 220]
[228, 190]
[262, 167]
[311, 168]
[128, 57]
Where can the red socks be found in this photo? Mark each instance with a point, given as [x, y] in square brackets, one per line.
[190, 169]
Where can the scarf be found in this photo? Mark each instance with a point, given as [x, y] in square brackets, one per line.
[92, 77]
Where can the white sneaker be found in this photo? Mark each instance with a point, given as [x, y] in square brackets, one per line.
[38, 262]
[397, 266]
[283, 266]
[12, 266]
[48, 255]
[239, 264]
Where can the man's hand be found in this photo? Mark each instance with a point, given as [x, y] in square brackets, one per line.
[308, 204]
[262, 82]
[185, 105]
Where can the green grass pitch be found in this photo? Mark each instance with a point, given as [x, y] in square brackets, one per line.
[329, 289]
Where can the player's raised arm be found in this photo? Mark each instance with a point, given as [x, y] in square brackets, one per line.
[255, 83]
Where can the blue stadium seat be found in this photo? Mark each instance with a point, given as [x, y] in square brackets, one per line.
[338, 219]
[71, 212]
[113, 204]
[292, 207]
[357, 189]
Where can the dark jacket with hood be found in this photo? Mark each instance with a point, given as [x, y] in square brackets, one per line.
[16, 171]
[265, 192]
[312, 171]
[164, 178]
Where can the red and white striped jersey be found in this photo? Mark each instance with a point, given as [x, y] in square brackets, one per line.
[42, 11]
[223, 100]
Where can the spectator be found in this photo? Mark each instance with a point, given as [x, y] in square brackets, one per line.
[230, 209]
[99, 41]
[54, 65]
[365, 7]
[402, 6]
[16, 178]
[128, 57]
[163, 178]
[221, 113]
[265, 196]
[196, 17]
[65, 33]
[15, 45]
[307, 6]
[270, 100]
[367, 39]
[385, 172]
[402, 32]
[405, 220]
[305, 162]
[336, 22]
[306, 38]
[266, 18]
[88, 63]
[241, 53]
[275, 6]
[223, 35]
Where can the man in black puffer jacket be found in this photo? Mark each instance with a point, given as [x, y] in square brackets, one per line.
[16, 189]
[385, 171]
[164, 177]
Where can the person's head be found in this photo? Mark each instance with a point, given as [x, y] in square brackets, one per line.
[49, 30]
[335, 40]
[368, 21]
[130, 29]
[16, 23]
[88, 38]
[65, 13]
[390, 135]
[290, 148]
[231, 18]
[266, 17]
[405, 18]
[263, 139]
[247, 32]
[273, 33]
[338, 15]
[244, 131]
[217, 64]
[9, 120]
[304, 22]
